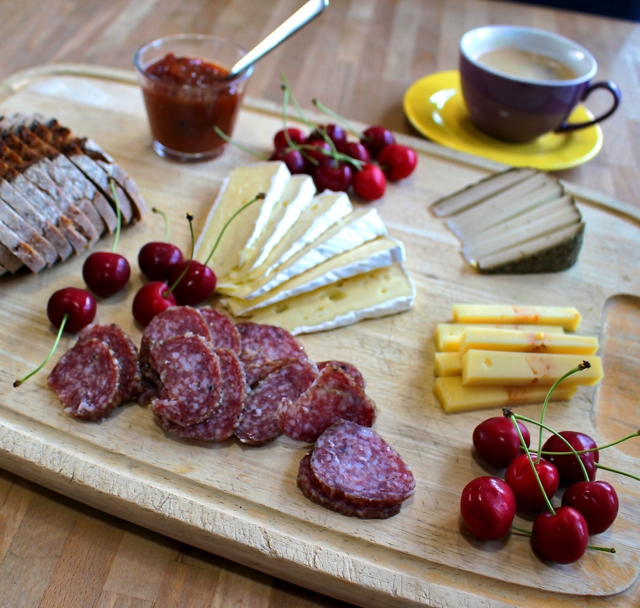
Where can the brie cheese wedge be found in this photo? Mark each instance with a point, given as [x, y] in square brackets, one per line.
[239, 188]
[379, 253]
[379, 293]
[350, 232]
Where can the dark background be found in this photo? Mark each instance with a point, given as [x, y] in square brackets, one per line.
[623, 9]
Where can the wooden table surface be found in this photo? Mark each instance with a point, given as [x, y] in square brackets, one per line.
[358, 58]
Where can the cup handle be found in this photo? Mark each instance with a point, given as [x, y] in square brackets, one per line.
[612, 87]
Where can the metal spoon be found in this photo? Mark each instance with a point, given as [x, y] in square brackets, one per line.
[298, 20]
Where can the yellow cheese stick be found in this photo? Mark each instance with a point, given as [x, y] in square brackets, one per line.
[493, 368]
[568, 318]
[447, 335]
[448, 364]
[454, 397]
[477, 338]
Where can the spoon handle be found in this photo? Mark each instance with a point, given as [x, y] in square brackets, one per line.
[299, 19]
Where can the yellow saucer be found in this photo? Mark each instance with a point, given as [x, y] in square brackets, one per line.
[435, 107]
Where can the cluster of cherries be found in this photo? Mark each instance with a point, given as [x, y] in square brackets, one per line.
[172, 280]
[561, 534]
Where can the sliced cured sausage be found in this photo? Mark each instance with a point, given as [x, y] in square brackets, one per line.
[190, 379]
[313, 491]
[261, 343]
[260, 421]
[333, 396]
[126, 353]
[227, 416]
[353, 463]
[175, 321]
[223, 332]
[348, 368]
[87, 380]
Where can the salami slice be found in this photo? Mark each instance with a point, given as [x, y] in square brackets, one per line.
[190, 379]
[333, 396]
[175, 321]
[87, 380]
[228, 414]
[126, 353]
[262, 343]
[353, 463]
[348, 368]
[223, 332]
[260, 422]
[313, 491]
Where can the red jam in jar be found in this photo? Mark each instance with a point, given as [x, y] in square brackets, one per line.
[185, 98]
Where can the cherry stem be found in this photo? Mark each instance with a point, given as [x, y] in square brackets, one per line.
[260, 196]
[335, 155]
[596, 449]
[339, 118]
[17, 383]
[592, 547]
[579, 368]
[118, 222]
[526, 451]
[237, 145]
[294, 101]
[166, 222]
[544, 426]
[193, 241]
[601, 466]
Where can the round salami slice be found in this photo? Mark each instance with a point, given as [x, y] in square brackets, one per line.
[223, 332]
[348, 368]
[126, 353]
[190, 378]
[228, 414]
[353, 463]
[262, 343]
[87, 380]
[312, 490]
[175, 321]
[260, 421]
[333, 396]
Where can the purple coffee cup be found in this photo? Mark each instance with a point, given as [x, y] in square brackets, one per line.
[519, 108]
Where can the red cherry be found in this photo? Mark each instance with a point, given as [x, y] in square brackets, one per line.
[78, 303]
[498, 442]
[295, 135]
[293, 159]
[563, 537]
[198, 283]
[597, 502]
[330, 177]
[522, 481]
[158, 259]
[105, 273]
[151, 299]
[568, 466]
[335, 132]
[370, 183]
[356, 150]
[488, 506]
[314, 152]
[377, 138]
[398, 161]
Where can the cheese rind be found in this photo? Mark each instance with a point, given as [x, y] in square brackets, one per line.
[493, 368]
[454, 397]
[447, 335]
[383, 292]
[239, 188]
[448, 364]
[567, 318]
[379, 253]
[478, 338]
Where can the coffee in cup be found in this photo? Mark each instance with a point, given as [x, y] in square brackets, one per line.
[519, 83]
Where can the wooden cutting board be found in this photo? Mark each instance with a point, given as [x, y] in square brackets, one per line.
[242, 502]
